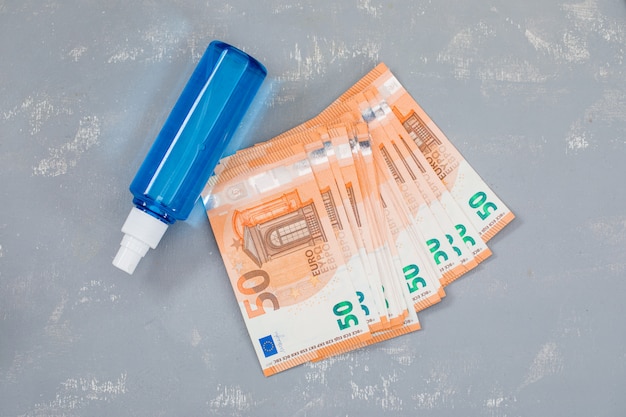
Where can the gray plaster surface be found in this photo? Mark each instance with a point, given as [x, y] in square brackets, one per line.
[532, 93]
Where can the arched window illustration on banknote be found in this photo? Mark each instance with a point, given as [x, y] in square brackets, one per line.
[423, 137]
[278, 227]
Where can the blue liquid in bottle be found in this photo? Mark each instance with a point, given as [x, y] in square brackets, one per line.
[188, 147]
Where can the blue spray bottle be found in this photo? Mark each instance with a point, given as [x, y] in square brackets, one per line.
[188, 147]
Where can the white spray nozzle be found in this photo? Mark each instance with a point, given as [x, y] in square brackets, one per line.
[141, 232]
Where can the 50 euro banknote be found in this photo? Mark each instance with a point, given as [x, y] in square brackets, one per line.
[482, 207]
[285, 266]
[337, 231]
[460, 233]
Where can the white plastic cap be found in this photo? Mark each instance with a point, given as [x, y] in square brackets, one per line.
[141, 232]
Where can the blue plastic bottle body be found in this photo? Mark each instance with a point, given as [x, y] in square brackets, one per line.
[196, 132]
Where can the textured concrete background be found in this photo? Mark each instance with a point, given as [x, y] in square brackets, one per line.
[532, 93]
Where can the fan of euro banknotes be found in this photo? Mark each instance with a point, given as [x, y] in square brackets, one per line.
[336, 233]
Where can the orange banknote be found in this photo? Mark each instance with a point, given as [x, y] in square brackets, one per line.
[399, 232]
[344, 233]
[446, 259]
[285, 265]
[459, 231]
[482, 207]
[337, 232]
[361, 193]
[487, 213]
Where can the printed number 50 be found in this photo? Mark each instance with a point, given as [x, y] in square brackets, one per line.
[343, 310]
[256, 289]
[413, 280]
[485, 208]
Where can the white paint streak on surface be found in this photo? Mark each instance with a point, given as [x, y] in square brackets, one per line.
[340, 50]
[195, 337]
[57, 312]
[22, 361]
[39, 110]
[572, 47]
[498, 404]
[230, 399]
[27, 103]
[585, 11]
[67, 155]
[42, 111]
[56, 329]
[547, 362]
[366, 5]
[381, 395]
[95, 291]
[124, 55]
[494, 402]
[570, 324]
[511, 70]
[610, 108]
[439, 391]
[587, 18]
[155, 43]
[611, 230]
[307, 66]
[462, 50]
[455, 54]
[404, 355]
[97, 390]
[77, 52]
[207, 357]
[76, 393]
[162, 41]
[575, 47]
[283, 7]
[312, 407]
[319, 369]
[585, 24]
[577, 138]
[497, 400]
[617, 268]
[538, 43]
[321, 52]
[430, 400]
